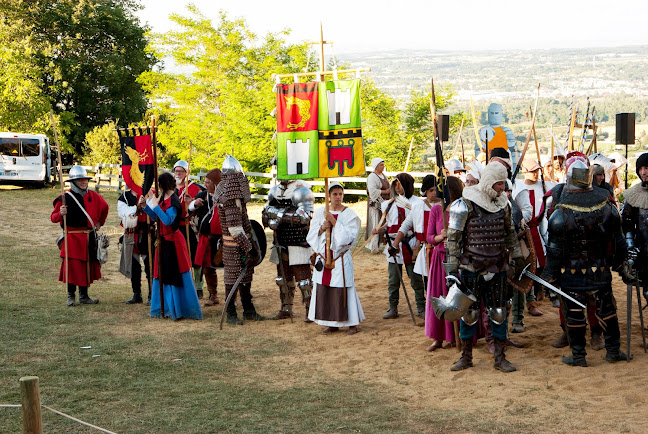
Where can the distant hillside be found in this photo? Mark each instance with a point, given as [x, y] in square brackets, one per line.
[512, 74]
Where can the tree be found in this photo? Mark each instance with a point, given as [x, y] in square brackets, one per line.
[223, 104]
[82, 57]
[102, 146]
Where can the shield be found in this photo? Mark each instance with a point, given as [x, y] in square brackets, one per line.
[528, 254]
[259, 237]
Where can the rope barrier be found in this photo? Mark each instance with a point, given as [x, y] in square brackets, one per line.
[62, 414]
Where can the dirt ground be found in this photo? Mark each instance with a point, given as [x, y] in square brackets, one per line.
[543, 395]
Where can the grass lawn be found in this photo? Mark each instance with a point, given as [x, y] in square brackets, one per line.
[155, 375]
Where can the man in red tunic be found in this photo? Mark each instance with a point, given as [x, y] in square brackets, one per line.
[86, 212]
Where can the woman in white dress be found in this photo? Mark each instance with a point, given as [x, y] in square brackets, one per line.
[335, 302]
[377, 193]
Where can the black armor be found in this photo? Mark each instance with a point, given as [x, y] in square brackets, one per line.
[585, 240]
[484, 240]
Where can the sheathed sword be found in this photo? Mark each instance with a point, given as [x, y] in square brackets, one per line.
[546, 284]
[231, 294]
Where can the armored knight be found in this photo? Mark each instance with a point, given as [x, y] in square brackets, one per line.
[288, 213]
[241, 250]
[635, 223]
[480, 239]
[585, 242]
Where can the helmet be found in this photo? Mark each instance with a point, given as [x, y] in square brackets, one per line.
[231, 165]
[183, 164]
[303, 198]
[579, 175]
[454, 165]
[78, 172]
[454, 305]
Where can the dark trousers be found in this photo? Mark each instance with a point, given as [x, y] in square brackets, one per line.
[393, 285]
[136, 275]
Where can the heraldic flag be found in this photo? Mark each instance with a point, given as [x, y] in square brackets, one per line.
[137, 160]
[319, 130]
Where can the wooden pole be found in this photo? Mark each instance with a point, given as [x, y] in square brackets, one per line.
[158, 246]
[186, 210]
[528, 139]
[328, 256]
[31, 405]
[444, 215]
[409, 154]
[535, 139]
[60, 175]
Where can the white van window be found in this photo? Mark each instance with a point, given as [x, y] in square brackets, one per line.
[11, 146]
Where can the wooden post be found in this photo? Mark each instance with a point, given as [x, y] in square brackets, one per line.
[60, 174]
[31, 405]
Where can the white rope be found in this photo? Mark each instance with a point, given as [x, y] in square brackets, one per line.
[77, 420]
[62, 414]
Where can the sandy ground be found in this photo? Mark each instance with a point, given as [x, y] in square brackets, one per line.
[543, 395]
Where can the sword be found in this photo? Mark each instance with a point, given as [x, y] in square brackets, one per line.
[231, 294]
[546, 284]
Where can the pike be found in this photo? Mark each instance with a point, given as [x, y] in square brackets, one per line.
[528, 139]
[541, 281]
[586, 123]
[59, 166]
[231, 294]
[474, 121]
[630, 287]
[535, 140]
[400, 277]
[441, 175]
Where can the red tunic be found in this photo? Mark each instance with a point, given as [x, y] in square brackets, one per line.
[192, 191]
[203, 252]
[77, 237]
[173, 239]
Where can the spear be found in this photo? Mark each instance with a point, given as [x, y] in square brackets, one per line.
[60, 175]
[186, 209]
[441, 178]
[528, 139]
[585, 126]
[474, 122]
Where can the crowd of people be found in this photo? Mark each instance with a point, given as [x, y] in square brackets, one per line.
[467, 262]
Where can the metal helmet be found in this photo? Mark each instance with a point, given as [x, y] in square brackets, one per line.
[183, 164]
[454, 305]
[78, 172]
[231, 165]
[579, 175]
[272, 193]
[597, 169]
[303, 198]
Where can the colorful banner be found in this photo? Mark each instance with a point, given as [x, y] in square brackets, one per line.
[319, 130]
[137, 161]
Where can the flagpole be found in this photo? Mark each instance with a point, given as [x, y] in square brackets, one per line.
[442, 177]
[186, 210]
[158, 246]
[60, 174]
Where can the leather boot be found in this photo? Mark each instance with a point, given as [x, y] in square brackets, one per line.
[561, 342]
[613, 356]
[596, 341]
[577, 343]
[232, 317]
[70, 300]
[249, 312]
[532, 307]
[212, 300]
[501, 364]
[465, 361]
[200, 294]
[286, 308]
[84, 298]
[135, 299]
[392, 313]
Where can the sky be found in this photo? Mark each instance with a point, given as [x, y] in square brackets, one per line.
[356, 26]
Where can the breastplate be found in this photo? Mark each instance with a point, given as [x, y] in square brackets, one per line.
[484, 245]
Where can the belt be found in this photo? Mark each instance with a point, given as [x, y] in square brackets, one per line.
[229, 240]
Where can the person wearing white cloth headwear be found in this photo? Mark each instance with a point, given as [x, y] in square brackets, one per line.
[377, 193]
[335, 302]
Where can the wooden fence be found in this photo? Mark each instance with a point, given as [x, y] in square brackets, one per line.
[108, 177]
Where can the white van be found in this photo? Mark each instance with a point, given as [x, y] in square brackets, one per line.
[24, 158]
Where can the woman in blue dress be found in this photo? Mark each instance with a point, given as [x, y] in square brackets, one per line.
[180, 298]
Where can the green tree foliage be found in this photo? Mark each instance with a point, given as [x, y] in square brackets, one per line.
[82, 57]
[102, 146]
[223, 103]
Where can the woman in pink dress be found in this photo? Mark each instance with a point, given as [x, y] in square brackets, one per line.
[437, 329]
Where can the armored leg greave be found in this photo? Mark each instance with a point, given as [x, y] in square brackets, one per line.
[576, 328]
